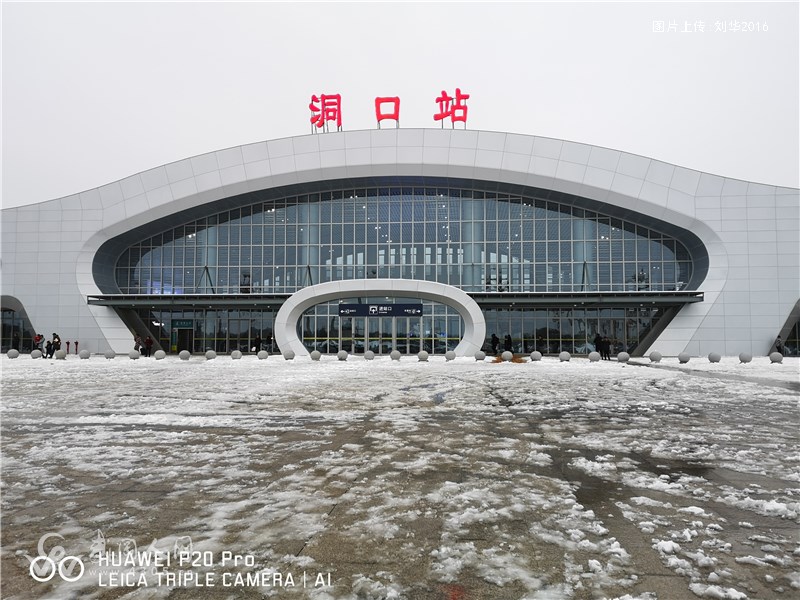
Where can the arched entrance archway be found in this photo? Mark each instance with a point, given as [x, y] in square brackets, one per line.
[301, 301]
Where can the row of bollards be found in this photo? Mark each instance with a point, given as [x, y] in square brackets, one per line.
[343, 355]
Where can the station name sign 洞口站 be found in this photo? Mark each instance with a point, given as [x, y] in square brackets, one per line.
[380, 310]
[326, 109]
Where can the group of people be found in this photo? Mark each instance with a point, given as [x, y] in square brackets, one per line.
[508, 345]
[145, 348]
[49, 348]
[602, 345]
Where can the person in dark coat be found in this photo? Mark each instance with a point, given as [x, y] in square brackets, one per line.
[56, 343]
[15, 341]
[495, 343]
[49, 350]
[605, 352]
[598, 342]
[507, 343]
[257, 343]
[148, 345]
[778, 345]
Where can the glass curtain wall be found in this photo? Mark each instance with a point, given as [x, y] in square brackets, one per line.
[477, 241]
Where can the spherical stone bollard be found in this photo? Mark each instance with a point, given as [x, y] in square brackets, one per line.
[776, 358]
[36, 354]
[288, 355]
[109, 354]
[422, 356]
[449, 355]
[13, 353]
[623, 357]
[594, 356]
[745, 358]
[315, 354]
[184, 355]
[480, 355]
[236, 355]
[211, 355]
[263, 355]
[342, 355]
[84, 354]
[395, 354]
[133, 354]
[564, 356]
[655, 357]
[536, 355]
[714, 357]
[683, 358]
[160, 355]
[369, 355]
[507, 356]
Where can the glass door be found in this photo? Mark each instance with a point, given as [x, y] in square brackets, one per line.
[373, 343]
[401, 334]
[387, 341]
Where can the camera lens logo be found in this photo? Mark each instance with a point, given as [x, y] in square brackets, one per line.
[45, 566]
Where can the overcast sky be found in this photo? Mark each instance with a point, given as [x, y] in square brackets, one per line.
[95, 92]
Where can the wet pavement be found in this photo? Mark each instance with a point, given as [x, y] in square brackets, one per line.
[419, 481]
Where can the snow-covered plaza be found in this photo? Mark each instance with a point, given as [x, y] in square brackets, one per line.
[380, 479]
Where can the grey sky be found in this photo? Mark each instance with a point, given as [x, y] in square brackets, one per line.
[95, 92]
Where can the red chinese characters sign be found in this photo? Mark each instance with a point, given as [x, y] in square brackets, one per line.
[394, 113]
[327, 108]
[455, 108]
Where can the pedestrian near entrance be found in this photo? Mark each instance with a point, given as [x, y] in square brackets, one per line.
[148, 345]
[507, 343]
[15, 341]
[598, 342]
[137, 343]
[257, 344]
[495, 343]
[49, 350]
[779, 345]
[605, 345]
[56, 343]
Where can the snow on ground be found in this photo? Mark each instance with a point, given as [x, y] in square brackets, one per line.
[414, 480]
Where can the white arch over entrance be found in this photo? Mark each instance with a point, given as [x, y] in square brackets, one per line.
[301, 301]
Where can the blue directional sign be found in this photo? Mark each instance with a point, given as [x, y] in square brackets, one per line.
[380, 310]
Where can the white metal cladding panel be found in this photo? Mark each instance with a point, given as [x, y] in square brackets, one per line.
[721, 211]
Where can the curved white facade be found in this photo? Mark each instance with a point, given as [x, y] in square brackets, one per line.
[749, 230]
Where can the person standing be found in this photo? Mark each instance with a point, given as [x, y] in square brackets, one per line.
[495, 343]
[598, 342]
[49, 350]
[148, 346]
[56, 343]
[38, 342]
[15, 341]
[137, 343]
[257, 344]
[779, 345]
[605, 352]
[507, 343]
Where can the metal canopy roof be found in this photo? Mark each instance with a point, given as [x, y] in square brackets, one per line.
[484, 299]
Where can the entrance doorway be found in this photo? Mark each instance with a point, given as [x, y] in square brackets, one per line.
[381, 335]
[185, 340]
